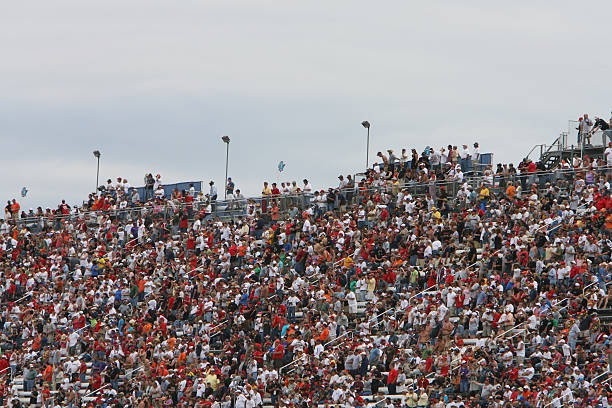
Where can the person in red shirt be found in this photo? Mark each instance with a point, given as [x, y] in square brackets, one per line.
[531, 167]
[459, 300]
[278, 353]
[392, 380]
[4, 364]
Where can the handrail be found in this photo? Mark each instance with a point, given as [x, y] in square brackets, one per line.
[509, 330]
[526, 321]
[95, 391]
[303, 357]
[218, 325]
[588, 286]
[29, 293]
[107, 384]
[339, 337]
[126, 244]
[423, 291]
[600, 375]
[552, 402]
[355, 189]
[535, 147]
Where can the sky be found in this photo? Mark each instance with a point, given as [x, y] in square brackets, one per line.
[154, 85]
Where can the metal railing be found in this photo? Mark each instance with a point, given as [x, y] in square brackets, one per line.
[396, 310]
[292, 363]
[509, 330]
[600, 375]
[109, 384]
[302, 200]
[304, 356]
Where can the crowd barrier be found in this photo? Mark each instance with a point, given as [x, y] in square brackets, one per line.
[293, 204]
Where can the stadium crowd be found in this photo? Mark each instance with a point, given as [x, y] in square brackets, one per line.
[417, 286]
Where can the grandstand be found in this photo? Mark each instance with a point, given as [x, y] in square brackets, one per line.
[431, 281]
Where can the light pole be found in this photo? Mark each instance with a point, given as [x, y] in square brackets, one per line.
[366, 125]
[97, 155]
[226, 140]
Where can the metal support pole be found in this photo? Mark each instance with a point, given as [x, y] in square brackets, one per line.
[226, 140]
[226, 163]
[368, 150]
[97, 175]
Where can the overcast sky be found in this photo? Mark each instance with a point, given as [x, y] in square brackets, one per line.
[155, 84]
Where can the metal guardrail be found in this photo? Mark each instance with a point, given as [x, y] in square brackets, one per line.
[302, 200]
[303, 357]
[600, 375]
[108, 384]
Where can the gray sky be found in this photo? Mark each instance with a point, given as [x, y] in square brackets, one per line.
[155, 84]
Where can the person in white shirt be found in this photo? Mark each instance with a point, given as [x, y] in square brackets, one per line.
[241, 400]
[318, 350]
[435, 159]
[476, 157]
[352, 302]
[608, 154]
[157, 182]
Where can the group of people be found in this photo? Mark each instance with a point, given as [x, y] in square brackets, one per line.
[587, 127]
[490, 291]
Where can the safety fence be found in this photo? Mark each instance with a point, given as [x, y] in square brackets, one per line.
[291, 205]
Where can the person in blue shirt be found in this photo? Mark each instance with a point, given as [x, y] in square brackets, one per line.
[230, 187]
[244, 298]
[375, 355]
[284, 329]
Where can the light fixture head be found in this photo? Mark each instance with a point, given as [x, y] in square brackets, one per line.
[97, 154]
[226, 139]
[365, 124]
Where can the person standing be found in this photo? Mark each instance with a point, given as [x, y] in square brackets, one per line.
[266, 191]
[604, 126]
[238, 199]
[230, 187]
[435, 159]
[149, 183]
[212, 195]
[15, 207]
[464, 156]
[476, 157]
[392, 380]
[584, 129]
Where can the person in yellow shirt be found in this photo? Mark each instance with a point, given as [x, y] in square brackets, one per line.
[436, 214]
[348, 262]
[484, 192]
[212, 380]
[371, 281]
[265, 192]
[395, 186]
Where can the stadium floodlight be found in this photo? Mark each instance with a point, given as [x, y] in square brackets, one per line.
[226, 140]
[366, 125]
[97, 155]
